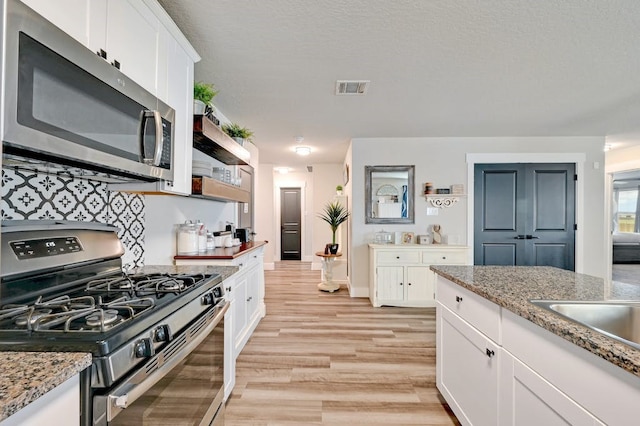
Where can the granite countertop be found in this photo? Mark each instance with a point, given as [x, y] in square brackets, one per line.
[224, 252]
[26, 376]
[511, 287]
[224, 271]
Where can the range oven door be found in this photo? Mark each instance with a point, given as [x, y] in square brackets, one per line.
[65, 104]
[183, 384]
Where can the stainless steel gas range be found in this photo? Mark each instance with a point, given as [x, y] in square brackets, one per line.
[157, 340]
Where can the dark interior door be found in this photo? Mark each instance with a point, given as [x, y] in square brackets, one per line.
[290, 207]
[524, 214]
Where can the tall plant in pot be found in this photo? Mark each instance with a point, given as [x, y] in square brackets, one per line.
[334, 214]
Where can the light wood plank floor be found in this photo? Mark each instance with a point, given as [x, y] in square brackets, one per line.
[327, 359]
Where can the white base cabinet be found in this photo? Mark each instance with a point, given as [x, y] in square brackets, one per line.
[58, 407]
[400, 274]
[495, 367]
[245, 291]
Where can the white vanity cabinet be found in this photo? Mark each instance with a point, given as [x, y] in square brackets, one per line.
[467, 358]
[400, 274]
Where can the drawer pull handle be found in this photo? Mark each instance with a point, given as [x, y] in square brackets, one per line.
[458, 299]
[228, 289]
[409, 283]
[400, 283]
[397, 257]
[490, 353]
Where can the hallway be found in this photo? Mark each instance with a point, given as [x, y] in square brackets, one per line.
[328, 359]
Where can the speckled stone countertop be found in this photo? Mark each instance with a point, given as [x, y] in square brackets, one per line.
[26, 376]
[224, 271]
[513, 287]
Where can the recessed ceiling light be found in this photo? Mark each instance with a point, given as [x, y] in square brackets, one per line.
[303, 150]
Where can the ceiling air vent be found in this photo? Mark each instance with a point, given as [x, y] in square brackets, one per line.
[352, 87]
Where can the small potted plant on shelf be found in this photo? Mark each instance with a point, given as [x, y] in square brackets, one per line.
[237, 133]
[203, 93]
[339, 190]
[334, 214]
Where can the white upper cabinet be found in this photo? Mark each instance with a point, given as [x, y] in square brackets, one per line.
[71, 16]
[126, 30]
[129, 33]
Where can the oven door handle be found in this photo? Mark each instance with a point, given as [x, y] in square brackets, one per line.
[141, 381]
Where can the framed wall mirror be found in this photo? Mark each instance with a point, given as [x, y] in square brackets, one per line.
[389, 194]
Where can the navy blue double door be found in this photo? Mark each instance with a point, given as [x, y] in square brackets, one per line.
[524, 214]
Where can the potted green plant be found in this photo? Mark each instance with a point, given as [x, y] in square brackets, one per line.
[339, 190]
[334, 214]
[203, 93]
[238, 133]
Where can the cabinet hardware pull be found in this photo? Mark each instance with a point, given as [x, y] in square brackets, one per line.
[409, 283]
[397, 257]
[228, 289]
[458, 299]
[490, 353]
[400, 283]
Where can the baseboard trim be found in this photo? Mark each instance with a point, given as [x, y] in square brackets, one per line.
[358, 292]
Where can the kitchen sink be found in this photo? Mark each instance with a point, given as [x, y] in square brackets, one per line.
[618, 320]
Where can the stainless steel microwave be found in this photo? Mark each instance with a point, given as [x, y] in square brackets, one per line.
[65, 104]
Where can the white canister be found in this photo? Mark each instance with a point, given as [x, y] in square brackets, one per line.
[219, 240]
[187, 238]
[228, 242]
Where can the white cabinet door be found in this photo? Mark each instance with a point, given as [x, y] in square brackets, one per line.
[419, 284]
[390, 281]
[229, 340]
[71, 16]
[239, 312]
[467, 369]
[132, 39]
[527, 399]
[179, 95]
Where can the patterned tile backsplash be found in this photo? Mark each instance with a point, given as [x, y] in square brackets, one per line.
[30, 195]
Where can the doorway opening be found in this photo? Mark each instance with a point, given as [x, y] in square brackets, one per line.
[625, 227]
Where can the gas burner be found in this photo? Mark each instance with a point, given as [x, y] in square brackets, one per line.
[31, 317]
[118, 283]
[102, 317]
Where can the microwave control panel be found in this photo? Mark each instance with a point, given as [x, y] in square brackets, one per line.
[31, 249]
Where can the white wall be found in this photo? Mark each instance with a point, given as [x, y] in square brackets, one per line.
[443, 162]
[164, 213]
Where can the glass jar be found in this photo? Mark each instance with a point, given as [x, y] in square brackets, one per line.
[211, 242]
[383, 237]
[187, 238]
[202, 236]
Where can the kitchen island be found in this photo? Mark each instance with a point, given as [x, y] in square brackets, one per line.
[533, 365]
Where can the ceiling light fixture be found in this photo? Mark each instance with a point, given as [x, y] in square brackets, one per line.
[303, 150]
[282, 170]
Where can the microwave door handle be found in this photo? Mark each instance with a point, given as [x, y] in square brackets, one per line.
[135, 386]
[157, 154]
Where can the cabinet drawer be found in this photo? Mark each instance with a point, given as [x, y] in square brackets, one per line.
[398, 256]
[445, 257]
[484, 315]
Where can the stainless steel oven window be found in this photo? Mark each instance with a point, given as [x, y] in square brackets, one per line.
[191, 393]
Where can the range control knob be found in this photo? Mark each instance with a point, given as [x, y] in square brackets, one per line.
[162, 334]
[144, 348]
[207, 299]
[217, 292]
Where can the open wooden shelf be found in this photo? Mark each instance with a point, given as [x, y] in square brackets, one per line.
[211, 140]
[214, 189]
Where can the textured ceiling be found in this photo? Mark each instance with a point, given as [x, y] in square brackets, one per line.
[437, 68]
